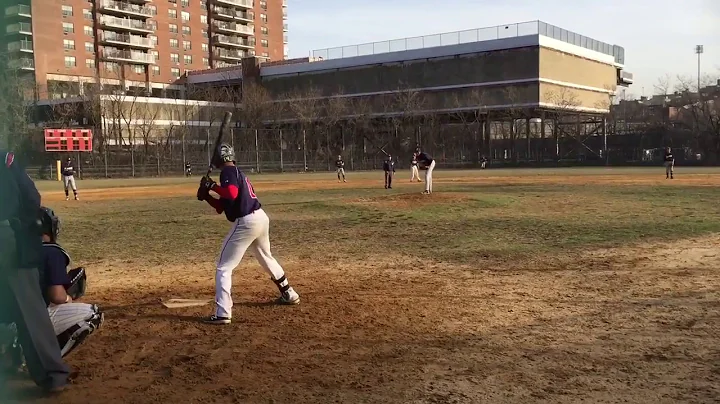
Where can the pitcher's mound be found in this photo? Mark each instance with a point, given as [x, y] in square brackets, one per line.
[412, 199]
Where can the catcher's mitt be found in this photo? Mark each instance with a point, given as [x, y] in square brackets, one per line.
[78, 283]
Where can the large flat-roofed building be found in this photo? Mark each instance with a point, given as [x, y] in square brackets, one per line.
[531, 64]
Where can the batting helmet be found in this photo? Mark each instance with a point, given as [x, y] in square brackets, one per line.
[50, 223]
[224, 154]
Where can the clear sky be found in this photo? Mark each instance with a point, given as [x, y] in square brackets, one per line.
[659, 36]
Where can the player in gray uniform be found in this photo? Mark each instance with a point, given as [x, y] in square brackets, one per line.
[340, 165]
[68, 174]
[21, 301]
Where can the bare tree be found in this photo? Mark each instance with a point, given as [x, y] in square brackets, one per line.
[663, 85]
[700, 112]
[469, 109]
[334, 112]
[305, 107]
[16, 90]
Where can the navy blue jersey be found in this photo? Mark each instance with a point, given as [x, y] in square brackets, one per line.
[339, 164]
[389, 165]
[414, 162]
[424, 159]
[246, 201]
[54, 269]
[669, 157]
[68, 169]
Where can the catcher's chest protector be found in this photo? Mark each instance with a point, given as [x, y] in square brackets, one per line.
[53, 245]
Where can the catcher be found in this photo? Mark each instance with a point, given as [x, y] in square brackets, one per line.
[73, 322]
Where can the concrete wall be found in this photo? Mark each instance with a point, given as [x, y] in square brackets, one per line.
[564, 67]
[566, 98]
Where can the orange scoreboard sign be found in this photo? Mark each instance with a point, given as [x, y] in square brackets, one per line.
[68, 140]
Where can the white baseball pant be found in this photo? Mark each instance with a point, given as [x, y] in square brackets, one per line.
[415, 173]
[341, 171]
[69, 182]
[253, 232]
[428, 177]
[83, 317]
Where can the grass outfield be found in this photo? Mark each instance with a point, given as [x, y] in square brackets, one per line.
[504, 286]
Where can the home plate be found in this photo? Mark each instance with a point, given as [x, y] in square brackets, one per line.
[177, 303]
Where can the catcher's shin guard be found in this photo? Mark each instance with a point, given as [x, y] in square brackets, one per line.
[76, 335]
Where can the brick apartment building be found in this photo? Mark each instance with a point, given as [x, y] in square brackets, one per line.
[141, 45]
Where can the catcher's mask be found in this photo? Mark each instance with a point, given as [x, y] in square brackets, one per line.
[225, 154]
[49, 223]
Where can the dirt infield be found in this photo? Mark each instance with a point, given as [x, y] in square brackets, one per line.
[636, 324]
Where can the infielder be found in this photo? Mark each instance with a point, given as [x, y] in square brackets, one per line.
[73, 322]
[427, 163]
[389, 168]
[414, 169]
[68, 174]
[250, 229]
[669, 163]
[340, 165]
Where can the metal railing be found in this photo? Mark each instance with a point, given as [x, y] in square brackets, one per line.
[112, 53]
[233, 40]
[125, 23]
[233, 13]
[126, 7]
[244, 29]
[20, 9]
[21, 64]
[473, 35]
[224, 53]
[20, 46]
[128, 39]
[238, 3]
[19, 27]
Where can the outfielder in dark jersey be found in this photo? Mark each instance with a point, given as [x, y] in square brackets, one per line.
[389, 168]
[68, 174]
[340, 165]
[669, 164]
[250, 229]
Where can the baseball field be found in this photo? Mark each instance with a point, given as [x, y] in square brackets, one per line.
[503, 286]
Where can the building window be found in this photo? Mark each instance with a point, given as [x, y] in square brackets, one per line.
[263, 4]
[263, 18]
[173, 28]
[175, 58]
[154, 40]
[185, 16]
[203, 19]
[89, 47]
[89, 31]
[264, 30]
[153, 9]
[205, 47]
[87, 14]
[172, 13]
[173, 43]
[187, 59]
[69, 44]
[203, 3]
[90, 63]
[185, 3]
[138, 69]
[204, 33]
[187, 45]
[68, 27]
[111, 66]
[67, 11]
[175, 71]
[156, 70]
[186, 30]
[70, 61]
[206, 62]
[264, 43]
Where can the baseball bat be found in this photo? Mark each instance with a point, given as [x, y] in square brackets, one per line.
[218, 140]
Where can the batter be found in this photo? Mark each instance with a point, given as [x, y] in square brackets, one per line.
[250, 229]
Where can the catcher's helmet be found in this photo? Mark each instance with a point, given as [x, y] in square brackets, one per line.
[49, 223]
[224, 154]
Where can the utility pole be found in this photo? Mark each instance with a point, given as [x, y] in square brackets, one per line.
[699, 49]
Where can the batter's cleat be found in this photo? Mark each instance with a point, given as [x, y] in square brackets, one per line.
[426, 192]
[67, 198]
[216, 320]
[289, 297]
[77, 198]
[344, 180]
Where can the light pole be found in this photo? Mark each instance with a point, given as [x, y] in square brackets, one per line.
[699, 49]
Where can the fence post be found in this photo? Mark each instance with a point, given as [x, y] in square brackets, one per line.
[282, 167]
[157, 156]
[257, 153]
[132, 153]
[207, 135]
[105, 155]
[304, 152]
[182, 145]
